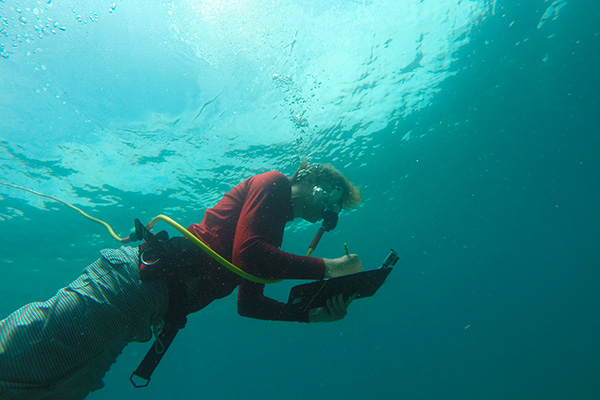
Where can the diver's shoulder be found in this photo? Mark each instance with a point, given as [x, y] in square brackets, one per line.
[273, 177]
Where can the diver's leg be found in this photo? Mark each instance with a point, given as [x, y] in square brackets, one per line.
[67, 344]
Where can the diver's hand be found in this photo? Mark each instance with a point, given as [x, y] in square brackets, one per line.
[345, 265]
[335, 310]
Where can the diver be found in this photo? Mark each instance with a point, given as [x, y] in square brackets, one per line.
[63, 347]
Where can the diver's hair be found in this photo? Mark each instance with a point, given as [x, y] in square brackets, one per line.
[315, 174]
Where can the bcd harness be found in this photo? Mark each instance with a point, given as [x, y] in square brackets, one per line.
[159, 256]
[156, 249]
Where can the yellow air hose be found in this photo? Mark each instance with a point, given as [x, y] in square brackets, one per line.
[213, 254]
[112, 233]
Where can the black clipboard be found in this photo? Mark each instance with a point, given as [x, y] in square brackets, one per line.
[363, 284]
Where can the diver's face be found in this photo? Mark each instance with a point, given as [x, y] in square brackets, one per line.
[324, 198]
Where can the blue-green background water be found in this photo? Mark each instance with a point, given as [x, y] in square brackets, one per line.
[478, 163]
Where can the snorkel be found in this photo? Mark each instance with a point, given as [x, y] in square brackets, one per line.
[330, 216]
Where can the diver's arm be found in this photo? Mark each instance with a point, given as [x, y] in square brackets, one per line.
[253, 303]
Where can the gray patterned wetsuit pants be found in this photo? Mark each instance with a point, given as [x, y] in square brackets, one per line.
[61, 348]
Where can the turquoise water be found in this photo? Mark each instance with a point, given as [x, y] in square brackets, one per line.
[471, 127]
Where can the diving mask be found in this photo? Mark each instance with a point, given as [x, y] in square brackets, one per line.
[330, 203]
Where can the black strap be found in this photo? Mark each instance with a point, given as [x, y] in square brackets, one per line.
[155, 241]
[155, 354]
[162, 251]
[141, 231]
[175, 315]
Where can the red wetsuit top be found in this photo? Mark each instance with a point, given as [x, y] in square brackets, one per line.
[246, 228]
